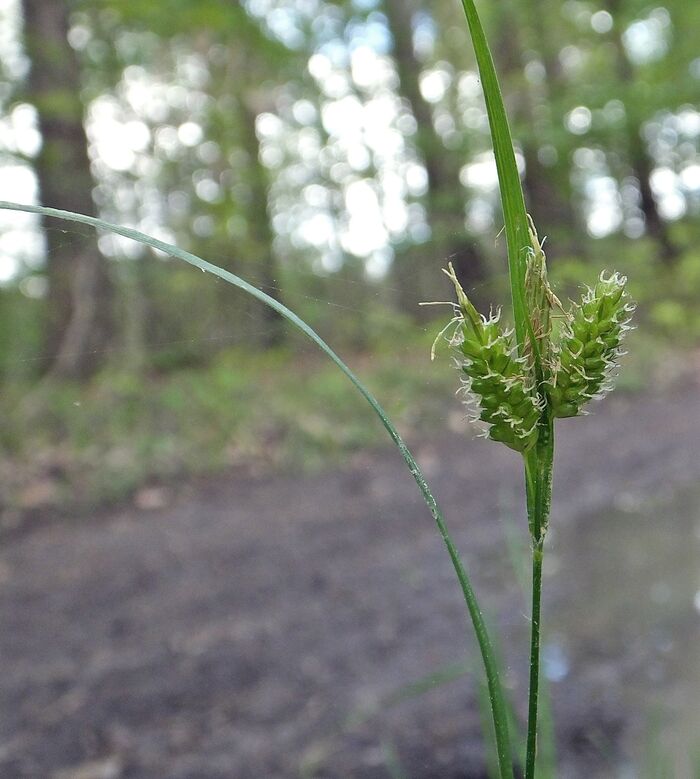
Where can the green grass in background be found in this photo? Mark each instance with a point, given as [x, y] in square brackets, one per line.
[74, 446]
[80, 445]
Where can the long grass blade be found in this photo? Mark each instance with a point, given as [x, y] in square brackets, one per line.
[512, 199]
[489, 660]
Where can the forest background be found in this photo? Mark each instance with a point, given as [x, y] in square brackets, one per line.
[337, 155]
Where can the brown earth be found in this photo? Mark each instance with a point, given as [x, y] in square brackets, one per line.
[258, 627]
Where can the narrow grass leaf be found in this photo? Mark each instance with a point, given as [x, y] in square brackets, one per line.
[490, 664]
[512, 199]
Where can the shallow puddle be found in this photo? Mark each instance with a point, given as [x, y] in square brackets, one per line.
[623, 626]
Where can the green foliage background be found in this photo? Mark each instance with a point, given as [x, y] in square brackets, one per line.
[598, 120]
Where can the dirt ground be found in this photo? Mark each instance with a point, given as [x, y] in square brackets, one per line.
[257, 627]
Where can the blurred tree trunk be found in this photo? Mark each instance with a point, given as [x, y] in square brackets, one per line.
[637, 155]
[260, 246]
[445, 200]
[641, 164]
[231, 121]
[78, 306]
[547, 188]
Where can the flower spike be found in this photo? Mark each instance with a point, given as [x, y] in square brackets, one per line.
[496, 377]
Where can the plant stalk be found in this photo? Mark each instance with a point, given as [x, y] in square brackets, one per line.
[538, 479]
[533, 698]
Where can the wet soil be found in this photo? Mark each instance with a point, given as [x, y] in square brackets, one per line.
[269, 627]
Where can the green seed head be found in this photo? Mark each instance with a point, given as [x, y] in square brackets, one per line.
[587, 356]
[516, 386]
[497, 380]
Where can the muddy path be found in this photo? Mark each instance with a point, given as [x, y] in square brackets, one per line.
[257, 627]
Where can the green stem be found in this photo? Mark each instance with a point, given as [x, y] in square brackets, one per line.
[538, 478]
[496, 697]
[533, 698]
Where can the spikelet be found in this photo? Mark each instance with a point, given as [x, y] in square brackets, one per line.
[587, 356]
[496, 377]
[540, 301]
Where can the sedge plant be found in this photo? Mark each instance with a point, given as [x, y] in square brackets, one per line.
[549, 365]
